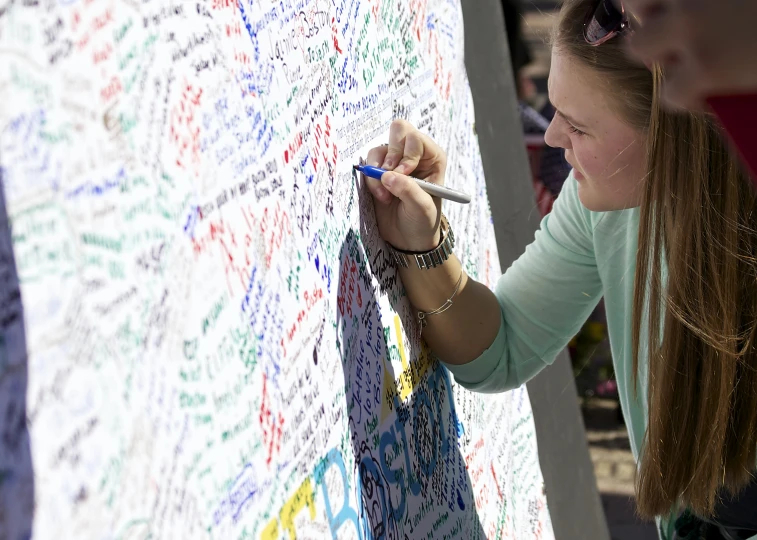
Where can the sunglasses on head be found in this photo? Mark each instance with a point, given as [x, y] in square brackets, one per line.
[605, 22]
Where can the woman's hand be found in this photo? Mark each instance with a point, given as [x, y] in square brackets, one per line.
[408, 217]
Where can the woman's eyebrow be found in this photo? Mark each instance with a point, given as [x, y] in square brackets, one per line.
[569, 119]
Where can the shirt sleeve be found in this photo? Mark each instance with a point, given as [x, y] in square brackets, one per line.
[545, 297]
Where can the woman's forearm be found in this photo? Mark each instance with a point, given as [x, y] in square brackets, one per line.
[464, 331]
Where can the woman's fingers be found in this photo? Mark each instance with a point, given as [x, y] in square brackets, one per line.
[398, 131]
[408, 151]
[412, 153]
[375, 157]
[420, 205]
[434, 160]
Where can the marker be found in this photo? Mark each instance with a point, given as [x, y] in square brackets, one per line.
[432, 189]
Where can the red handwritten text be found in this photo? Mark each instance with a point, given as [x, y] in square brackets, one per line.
[272, 426]
[184, 132]
[348, 287]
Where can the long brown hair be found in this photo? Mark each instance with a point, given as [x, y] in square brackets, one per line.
[697, 217]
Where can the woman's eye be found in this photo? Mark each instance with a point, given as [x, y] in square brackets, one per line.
[577, 131]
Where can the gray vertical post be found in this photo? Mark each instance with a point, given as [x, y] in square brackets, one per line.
[574, 502]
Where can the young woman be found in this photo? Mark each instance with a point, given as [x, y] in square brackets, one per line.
[657, 218]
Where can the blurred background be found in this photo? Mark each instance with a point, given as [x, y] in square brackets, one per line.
[529, 23]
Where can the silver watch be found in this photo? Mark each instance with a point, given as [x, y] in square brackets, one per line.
[426, 259]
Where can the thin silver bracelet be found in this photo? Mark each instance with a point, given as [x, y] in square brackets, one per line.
[448, 304]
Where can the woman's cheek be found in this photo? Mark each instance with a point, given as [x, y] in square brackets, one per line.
[581, 162]
[588, 159]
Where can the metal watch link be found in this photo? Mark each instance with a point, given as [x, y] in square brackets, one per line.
[426, 260]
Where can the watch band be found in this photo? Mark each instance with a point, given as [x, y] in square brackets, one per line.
[426, 260]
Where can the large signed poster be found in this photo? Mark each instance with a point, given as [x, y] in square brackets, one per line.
[201, 334]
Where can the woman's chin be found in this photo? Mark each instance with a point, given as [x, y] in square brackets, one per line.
[589, 199]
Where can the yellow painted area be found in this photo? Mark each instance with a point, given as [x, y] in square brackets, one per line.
[411, 373]
[400, 343]
[303, 497]
[271, 532]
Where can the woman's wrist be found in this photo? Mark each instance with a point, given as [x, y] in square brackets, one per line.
[419, 245]
[427, 258]
[429, 289]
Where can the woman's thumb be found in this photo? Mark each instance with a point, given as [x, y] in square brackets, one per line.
[405, 189]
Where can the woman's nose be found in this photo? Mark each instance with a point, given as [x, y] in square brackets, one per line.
[556, 136]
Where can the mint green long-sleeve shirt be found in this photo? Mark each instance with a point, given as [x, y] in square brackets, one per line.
[577, 257]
